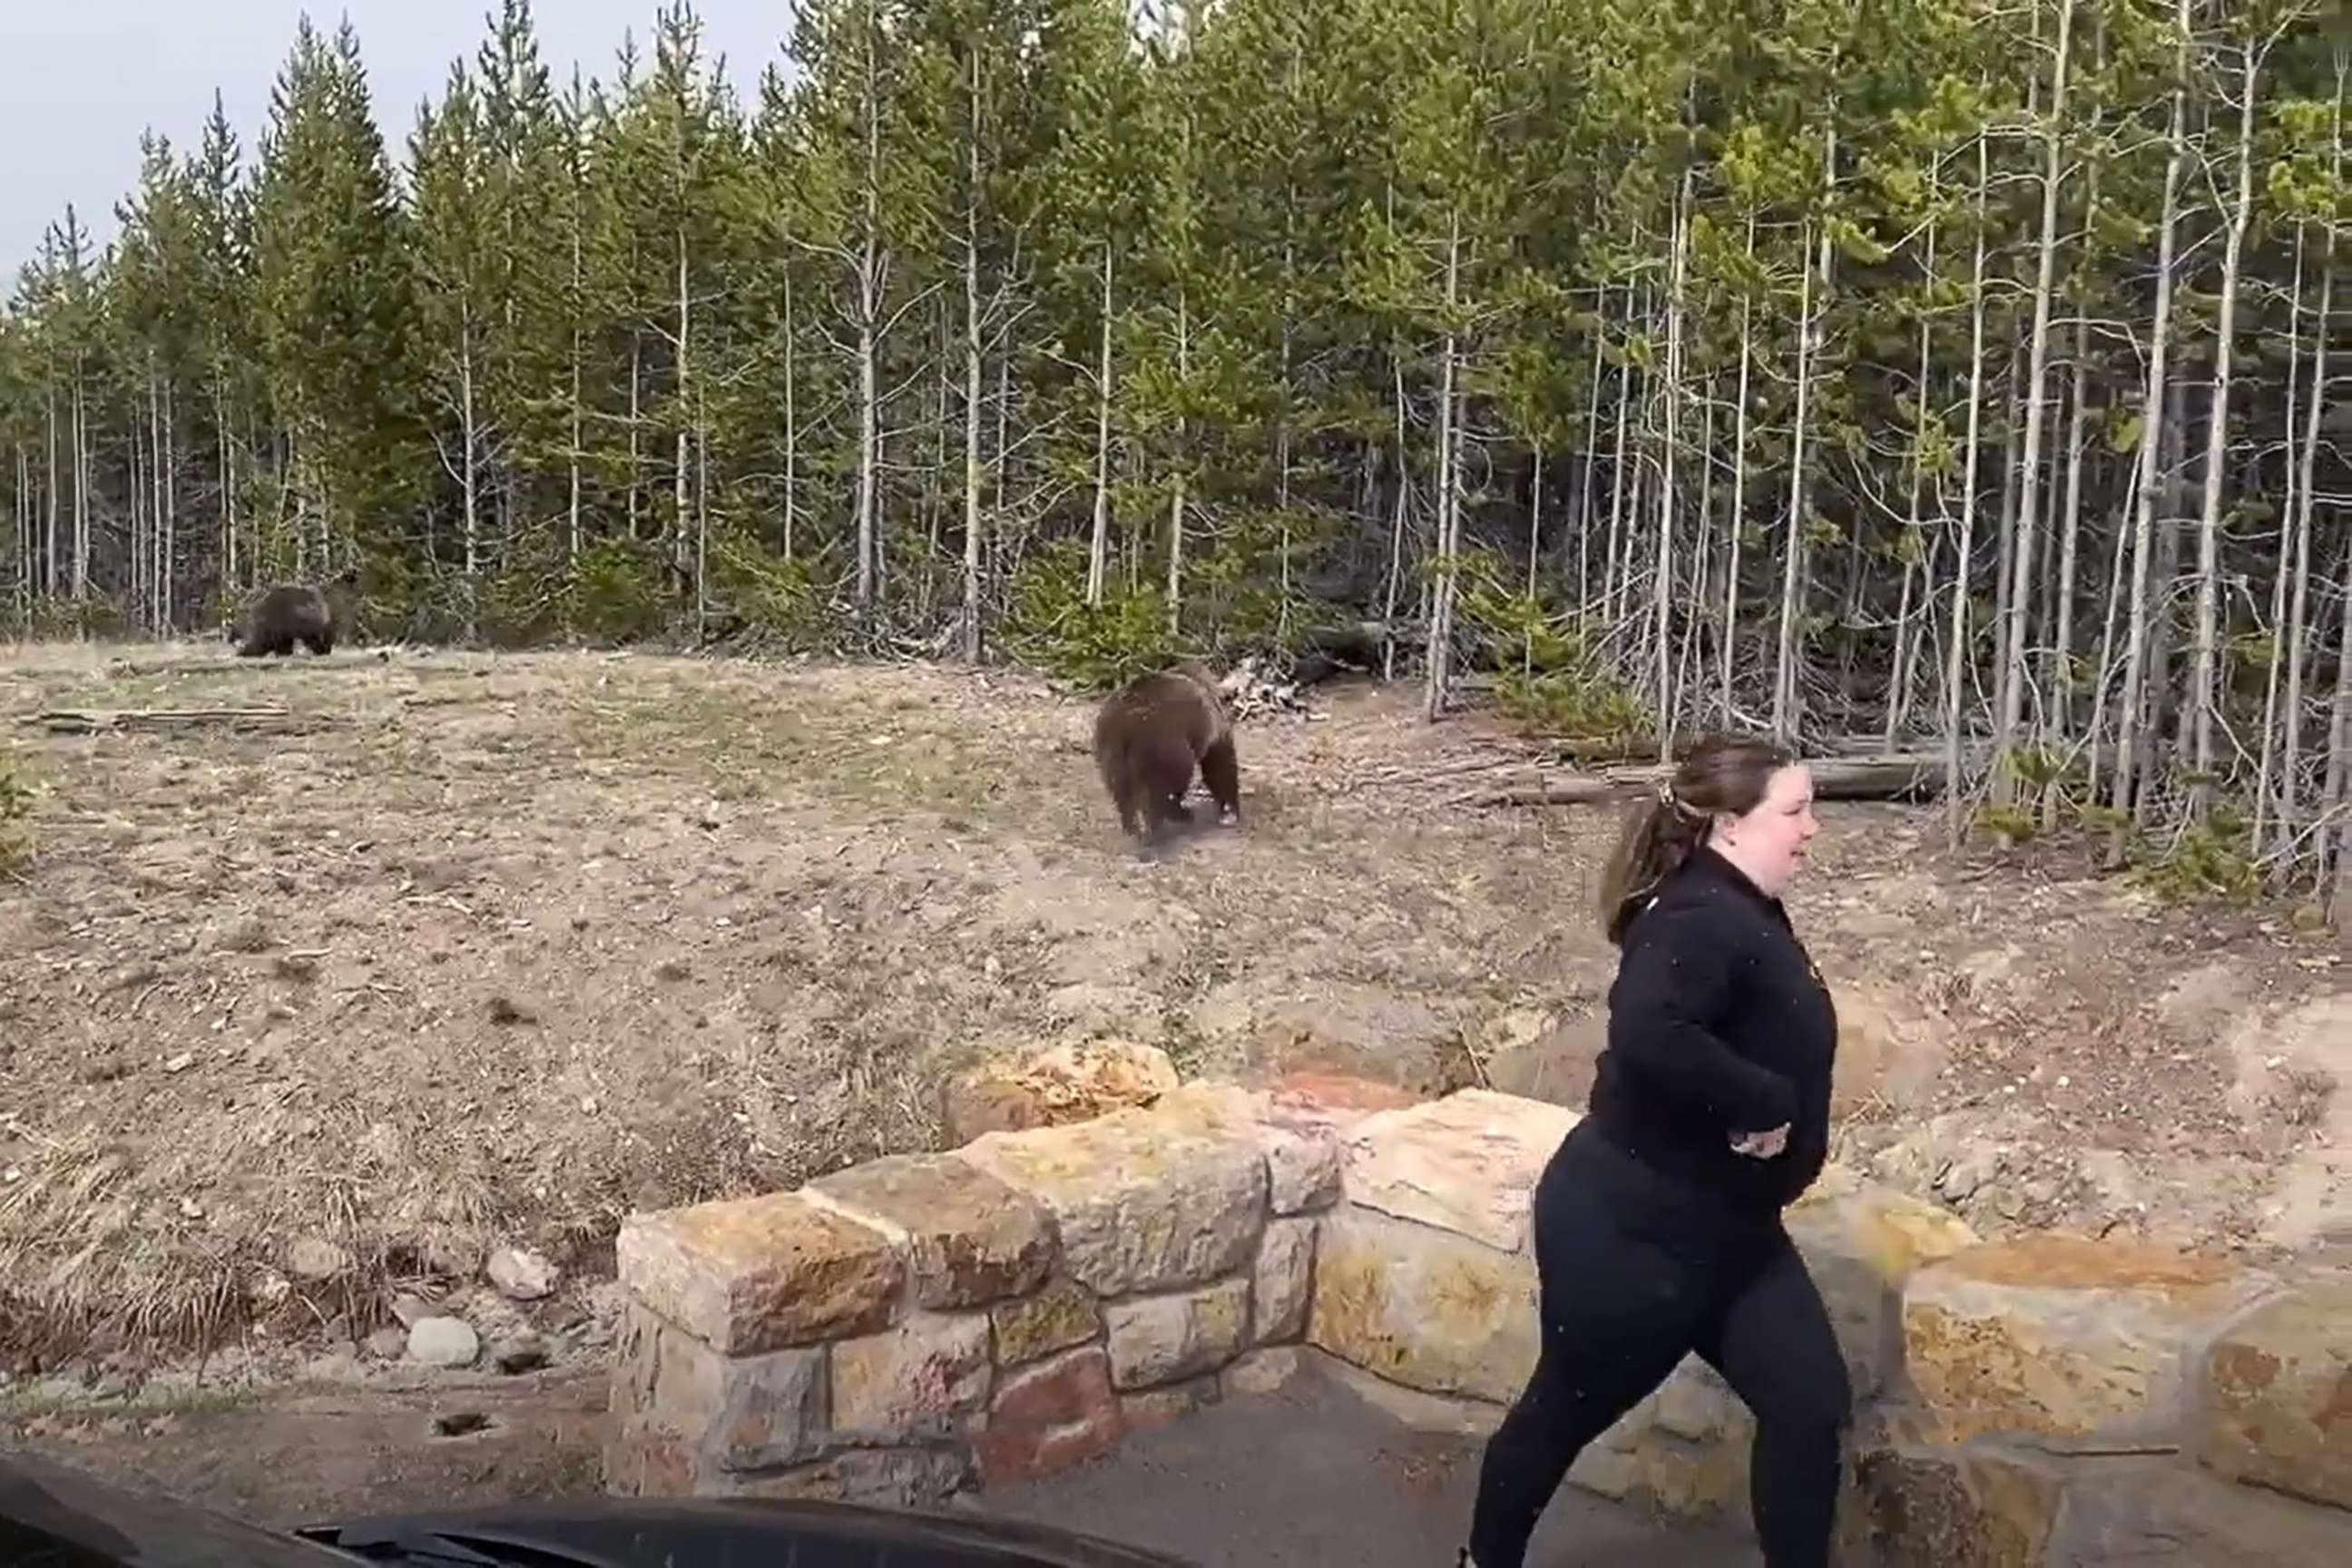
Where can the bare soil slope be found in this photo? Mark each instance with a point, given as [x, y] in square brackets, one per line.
[296, 1012]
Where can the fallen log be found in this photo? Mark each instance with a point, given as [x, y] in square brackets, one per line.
[91, 722]
[1903, 776]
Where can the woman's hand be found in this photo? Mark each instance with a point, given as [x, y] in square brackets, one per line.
[1763, 1145]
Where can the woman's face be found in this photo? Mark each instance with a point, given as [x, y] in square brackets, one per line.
[1769, 843]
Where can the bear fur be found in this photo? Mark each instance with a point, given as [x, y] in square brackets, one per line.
[295, 613]
[1151, 734]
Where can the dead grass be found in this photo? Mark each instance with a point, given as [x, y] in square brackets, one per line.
[501, 948]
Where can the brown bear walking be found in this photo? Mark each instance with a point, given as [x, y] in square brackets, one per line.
[295, 613]
[1149, 737]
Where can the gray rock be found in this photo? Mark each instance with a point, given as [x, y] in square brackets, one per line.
[387, 1342]
[444, 1342]
[314, 1260]
[521, 1274]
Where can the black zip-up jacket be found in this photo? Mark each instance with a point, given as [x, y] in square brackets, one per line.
[1718, 1024]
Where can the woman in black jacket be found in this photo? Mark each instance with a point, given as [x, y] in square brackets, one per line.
[1657, 1222]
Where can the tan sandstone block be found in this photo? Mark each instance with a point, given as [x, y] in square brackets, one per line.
[1302, 1153]
[1861, 1243]
[1053, 1087]
[1468, 1163]
[922, 1380]
[1430, 1311]
[760, 1274]
[1162, 1338]
[2277, 1406]
[1140, 1202]
[1283, 1281]
[971, 1240]
[2060, 1335]
[1061, 1314]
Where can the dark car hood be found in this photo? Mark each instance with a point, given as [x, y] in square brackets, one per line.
[54, 1516]
[744, 1532]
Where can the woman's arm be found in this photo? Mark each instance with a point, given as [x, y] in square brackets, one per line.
[1675, 978]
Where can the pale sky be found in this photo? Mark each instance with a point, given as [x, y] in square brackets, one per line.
[80, 79]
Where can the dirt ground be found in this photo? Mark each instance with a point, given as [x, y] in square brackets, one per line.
[303, 1012]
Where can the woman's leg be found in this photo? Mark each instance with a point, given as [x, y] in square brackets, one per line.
[1618, 1315]
[1774, 1345]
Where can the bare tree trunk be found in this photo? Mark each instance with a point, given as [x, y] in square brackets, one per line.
[1956, 652]
[2283, 563]
[702, 518]
[2204, 671]
[1739, 520]
[2013, 632]
[1785, 695]
[573, 458]
[1440, 620]
[224, 446]
[1099, 548]
[2062, 681]
[2298, 617]
[1592, 446]
[688, 397]
[2127, 709]
[869, 308]
[1664, 578]
[791, 421]
[971, 368]
[466, 470]
[1396, 520]
[81, 487]
[51, 579]
[1898, 683]
[1175, 607]
[2096, 733]
[637, 380]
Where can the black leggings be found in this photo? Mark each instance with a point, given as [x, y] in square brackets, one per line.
[1635, 1271]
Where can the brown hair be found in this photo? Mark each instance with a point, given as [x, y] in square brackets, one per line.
[1722, 775]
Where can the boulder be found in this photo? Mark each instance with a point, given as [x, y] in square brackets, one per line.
[444, 1342]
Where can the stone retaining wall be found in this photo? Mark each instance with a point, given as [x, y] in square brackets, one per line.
[916, 1325]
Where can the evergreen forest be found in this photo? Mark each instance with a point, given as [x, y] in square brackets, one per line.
[1963, 378]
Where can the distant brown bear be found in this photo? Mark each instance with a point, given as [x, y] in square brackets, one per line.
[295, 613]
[1149, 737]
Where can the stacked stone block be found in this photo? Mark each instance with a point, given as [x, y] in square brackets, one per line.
[919, 1323]
[915, 1325]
